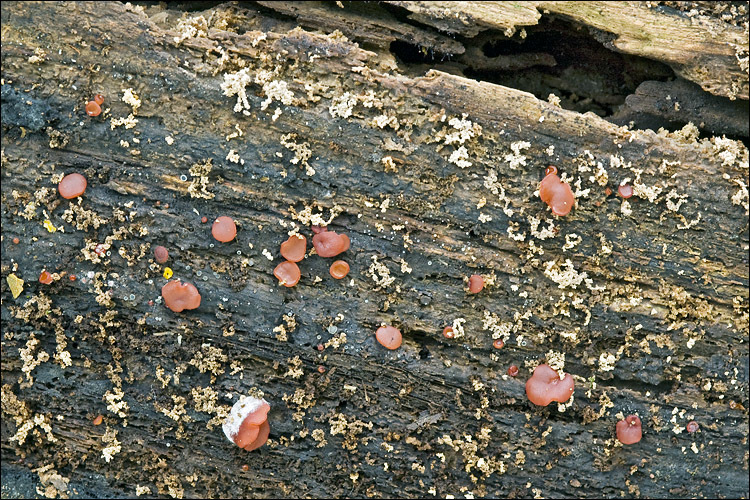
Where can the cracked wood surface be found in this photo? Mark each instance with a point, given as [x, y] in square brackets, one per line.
[667, 298]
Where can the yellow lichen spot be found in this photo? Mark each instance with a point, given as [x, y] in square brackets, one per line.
[167, 273]
[16, 285]
[49, 226]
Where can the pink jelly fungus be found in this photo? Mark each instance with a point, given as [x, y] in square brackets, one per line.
[247, 424]
[179, 296]
[545, 386]
[389, 337]
[625, 190]
[224, 229]
[161, 254]
[72, 186]
[339, 269]
[294, 248]
[476, 283]
[330, 244]
[287, 273]
[629, 430]
[45, 277]
[557, 195]
[93, 108]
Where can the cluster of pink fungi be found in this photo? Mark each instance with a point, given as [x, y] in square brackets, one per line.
[556, 193]
[179, 296]
[247, 425]
[326, 244]
[94, 108]
[546, 385]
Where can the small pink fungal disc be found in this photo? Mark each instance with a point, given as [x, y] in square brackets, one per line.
[224, 229]
[161, 254]
[330, 244]
[476, 283]
[545, 386]
[287, 273]
[93, 108]
[247, 423]
[625, 190]
[72, 186]
[339, 269]
[294, 248]
[179, 296]
[262, 438]
[45, 277]
[346, 243]
[557, 195]
[629, 430]
[389, 337]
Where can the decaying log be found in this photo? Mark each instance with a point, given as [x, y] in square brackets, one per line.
[238, 111]
[712, 54]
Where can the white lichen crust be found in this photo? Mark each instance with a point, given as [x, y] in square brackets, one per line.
[241, 409]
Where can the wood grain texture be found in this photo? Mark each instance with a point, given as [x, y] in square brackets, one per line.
[701, 50]
[667, 297]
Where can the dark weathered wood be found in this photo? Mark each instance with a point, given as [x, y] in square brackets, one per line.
[668, 296]
[701, 48]
[681, 102]
[366, 22]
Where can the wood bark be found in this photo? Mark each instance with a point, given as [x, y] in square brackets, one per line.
[432, 174]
